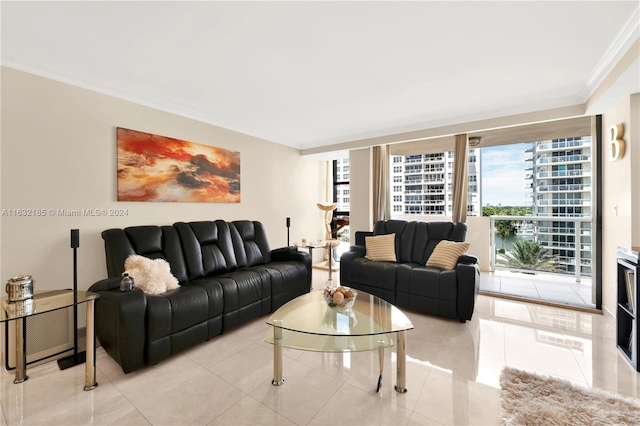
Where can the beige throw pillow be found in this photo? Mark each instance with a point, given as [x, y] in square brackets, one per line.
[446, 254]
[381, 248]
[152, 276]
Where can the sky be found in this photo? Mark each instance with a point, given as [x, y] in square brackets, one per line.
[503, 175]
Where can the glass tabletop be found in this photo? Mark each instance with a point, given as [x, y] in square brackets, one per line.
[318, 244]
[43, 301]
[308, 323]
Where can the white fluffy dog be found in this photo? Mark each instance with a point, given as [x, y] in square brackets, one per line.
[152, 276]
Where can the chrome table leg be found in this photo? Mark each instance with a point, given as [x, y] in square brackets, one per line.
[381, 361]
[401, 377]
[90, 361]
[21, 352]
[277, 356]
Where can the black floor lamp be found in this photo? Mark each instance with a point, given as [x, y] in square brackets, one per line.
[77, 357]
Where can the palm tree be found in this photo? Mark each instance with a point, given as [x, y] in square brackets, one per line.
[529, 255]
[505, 229]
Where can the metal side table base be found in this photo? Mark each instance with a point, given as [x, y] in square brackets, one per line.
[44, 301]
[90, 382]
[21, 353]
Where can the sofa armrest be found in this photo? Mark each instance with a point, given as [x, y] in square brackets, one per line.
[120, 323]
[347, 257]
[360, 235]
[283, 250]
[468, 277]
[290, 253]
[358, 251]
[467, 259]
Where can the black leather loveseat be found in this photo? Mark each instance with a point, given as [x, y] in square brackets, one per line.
[227, 274]
[408, 282]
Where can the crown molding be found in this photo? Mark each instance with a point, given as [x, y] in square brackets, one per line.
[54, 74]
[628, 34]
[436, 132]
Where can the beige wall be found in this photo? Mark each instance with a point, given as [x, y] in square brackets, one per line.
[58, 151]
[360, 192]
[621, 191]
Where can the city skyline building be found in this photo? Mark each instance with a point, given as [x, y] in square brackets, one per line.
[422, 184]
[559, 181]
[341, 174]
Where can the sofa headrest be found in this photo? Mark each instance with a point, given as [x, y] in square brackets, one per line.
[415, 241]
[145, 239]
[447, 231]
[154, 242]
[250, 243]
[207, 246]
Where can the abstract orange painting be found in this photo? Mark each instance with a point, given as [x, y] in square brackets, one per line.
[158, 168]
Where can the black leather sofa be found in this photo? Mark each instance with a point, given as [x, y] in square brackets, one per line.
[409, 283]
[228, 276]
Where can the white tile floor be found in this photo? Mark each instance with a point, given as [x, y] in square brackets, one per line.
[452, 376]
[553, 288]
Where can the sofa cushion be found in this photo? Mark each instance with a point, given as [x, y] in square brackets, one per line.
[176, 310]
[247, 295]
[446, 254]
[377, 278]
[425, 289]
[381, 248]
[288, 281]
[404, 236]
[152, 276]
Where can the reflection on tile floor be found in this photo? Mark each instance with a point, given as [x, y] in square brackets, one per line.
[545, 287]
[452, 375]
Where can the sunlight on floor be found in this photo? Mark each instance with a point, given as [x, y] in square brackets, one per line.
[543, 287]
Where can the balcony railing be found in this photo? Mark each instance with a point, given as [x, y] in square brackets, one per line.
[428, 179]
[426, 192]
[545, 146]
[563, 173]
[414, 160]
[536, 228]
[563, 159]
[584, 203]
[557, 188]
[559, 230]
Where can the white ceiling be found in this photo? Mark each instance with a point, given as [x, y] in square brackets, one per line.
[311, 74]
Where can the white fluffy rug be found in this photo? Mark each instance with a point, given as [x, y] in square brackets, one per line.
[530, 399]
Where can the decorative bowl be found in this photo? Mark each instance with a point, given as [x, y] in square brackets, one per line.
[340, 298]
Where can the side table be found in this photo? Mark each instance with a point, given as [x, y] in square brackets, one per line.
[47, 301]
[323, 244]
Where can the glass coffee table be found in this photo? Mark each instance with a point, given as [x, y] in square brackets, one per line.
[308, 323]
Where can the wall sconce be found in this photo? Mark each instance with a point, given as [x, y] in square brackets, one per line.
[474, 140]
[616, 143]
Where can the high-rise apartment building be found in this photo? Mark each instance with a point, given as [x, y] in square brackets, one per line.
[341, 174]
[559, 180]
[422, 184]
